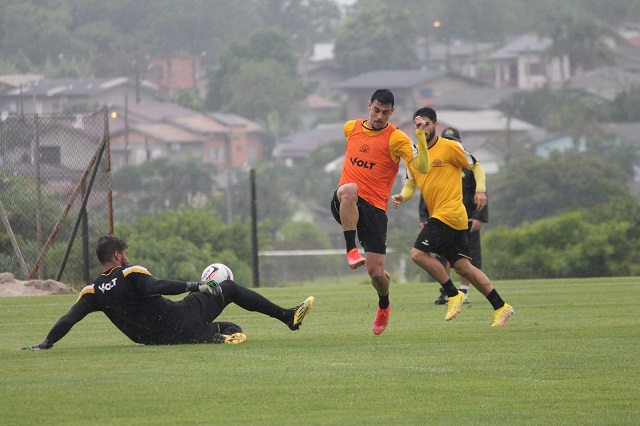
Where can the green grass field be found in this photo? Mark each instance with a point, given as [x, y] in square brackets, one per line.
[570, 355]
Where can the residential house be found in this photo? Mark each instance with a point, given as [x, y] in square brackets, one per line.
[609, 81]
[528, 62]
[52, 95]
[456, 56]
[167, 129]
[66, 145]
[605, 82]
[178, 74]
[15, 81]
[410, 89]
[316, 107]
[319, 70]
[297, 147]
[146, 142]
[480, 130]
[557, 142]
[473, 99]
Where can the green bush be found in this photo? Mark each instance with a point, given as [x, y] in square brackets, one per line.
[577, 244]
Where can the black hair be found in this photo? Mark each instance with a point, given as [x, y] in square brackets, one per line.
[428, 112]
[383, 96]
[107, 246]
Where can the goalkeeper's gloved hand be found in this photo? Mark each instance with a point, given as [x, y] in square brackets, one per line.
[210, 287]
[39, 346]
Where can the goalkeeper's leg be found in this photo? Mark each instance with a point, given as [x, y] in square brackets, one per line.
[255, 302]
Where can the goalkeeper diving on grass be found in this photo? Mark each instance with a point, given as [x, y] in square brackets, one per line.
[132, 298]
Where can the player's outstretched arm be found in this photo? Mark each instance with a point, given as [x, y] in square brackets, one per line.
[38, 346]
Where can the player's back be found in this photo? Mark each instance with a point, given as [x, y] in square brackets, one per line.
[122, 294]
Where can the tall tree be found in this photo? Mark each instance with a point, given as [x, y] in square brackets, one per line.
[306, 21]
[376, 38]
[257, 79]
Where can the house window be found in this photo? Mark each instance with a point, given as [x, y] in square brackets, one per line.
[50, 155]
[174, 147]
[536, 69]
[252, 155]
[217, 155]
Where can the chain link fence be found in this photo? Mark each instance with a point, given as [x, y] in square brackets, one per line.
[55, 194]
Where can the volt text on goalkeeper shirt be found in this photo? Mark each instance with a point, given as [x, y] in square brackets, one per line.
[132, 300]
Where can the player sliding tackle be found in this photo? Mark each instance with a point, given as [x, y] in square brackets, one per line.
[445, 234]
[132, 300]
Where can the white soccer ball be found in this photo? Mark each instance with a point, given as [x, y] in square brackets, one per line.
[217, 272]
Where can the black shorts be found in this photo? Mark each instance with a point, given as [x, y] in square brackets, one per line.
[192, 320]
[439, 238]
[475, 250]
[371, 227]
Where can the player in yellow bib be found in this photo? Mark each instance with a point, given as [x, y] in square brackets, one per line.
[445, 233]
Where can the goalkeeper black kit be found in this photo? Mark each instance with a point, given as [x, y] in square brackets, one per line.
[132, 299]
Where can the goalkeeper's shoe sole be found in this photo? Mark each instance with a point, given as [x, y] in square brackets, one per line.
[230, 339]
[301, 311]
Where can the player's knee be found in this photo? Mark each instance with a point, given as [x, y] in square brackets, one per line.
[348, 193]
[377, 275]
[416, 255]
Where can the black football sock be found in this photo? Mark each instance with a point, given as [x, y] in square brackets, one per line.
[451, 289]
[255, 302]
[383, 301]
[495, 299]
[350, 239]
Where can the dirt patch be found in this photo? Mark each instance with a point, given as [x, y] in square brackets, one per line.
[10, 286]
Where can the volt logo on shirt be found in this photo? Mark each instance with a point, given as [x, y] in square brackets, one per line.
[107, 286]
[362, 163]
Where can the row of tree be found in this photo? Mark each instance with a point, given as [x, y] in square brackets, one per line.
[568, 216]
[92, 37]
[251, 49]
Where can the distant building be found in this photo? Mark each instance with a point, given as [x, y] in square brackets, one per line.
[178, 74]
[319, 70]
[528, 63]
[410, 88]
[297, 147]
[46, 96]
[224, 140]
[15, 81]
[455, 56]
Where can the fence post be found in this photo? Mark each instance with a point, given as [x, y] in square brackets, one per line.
[82, 211]
[36, 159]
[254, 230]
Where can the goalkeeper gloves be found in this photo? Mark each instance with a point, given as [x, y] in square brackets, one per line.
[210, 287]
[43, 345]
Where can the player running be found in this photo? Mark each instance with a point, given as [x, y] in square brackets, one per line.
[372, 159]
